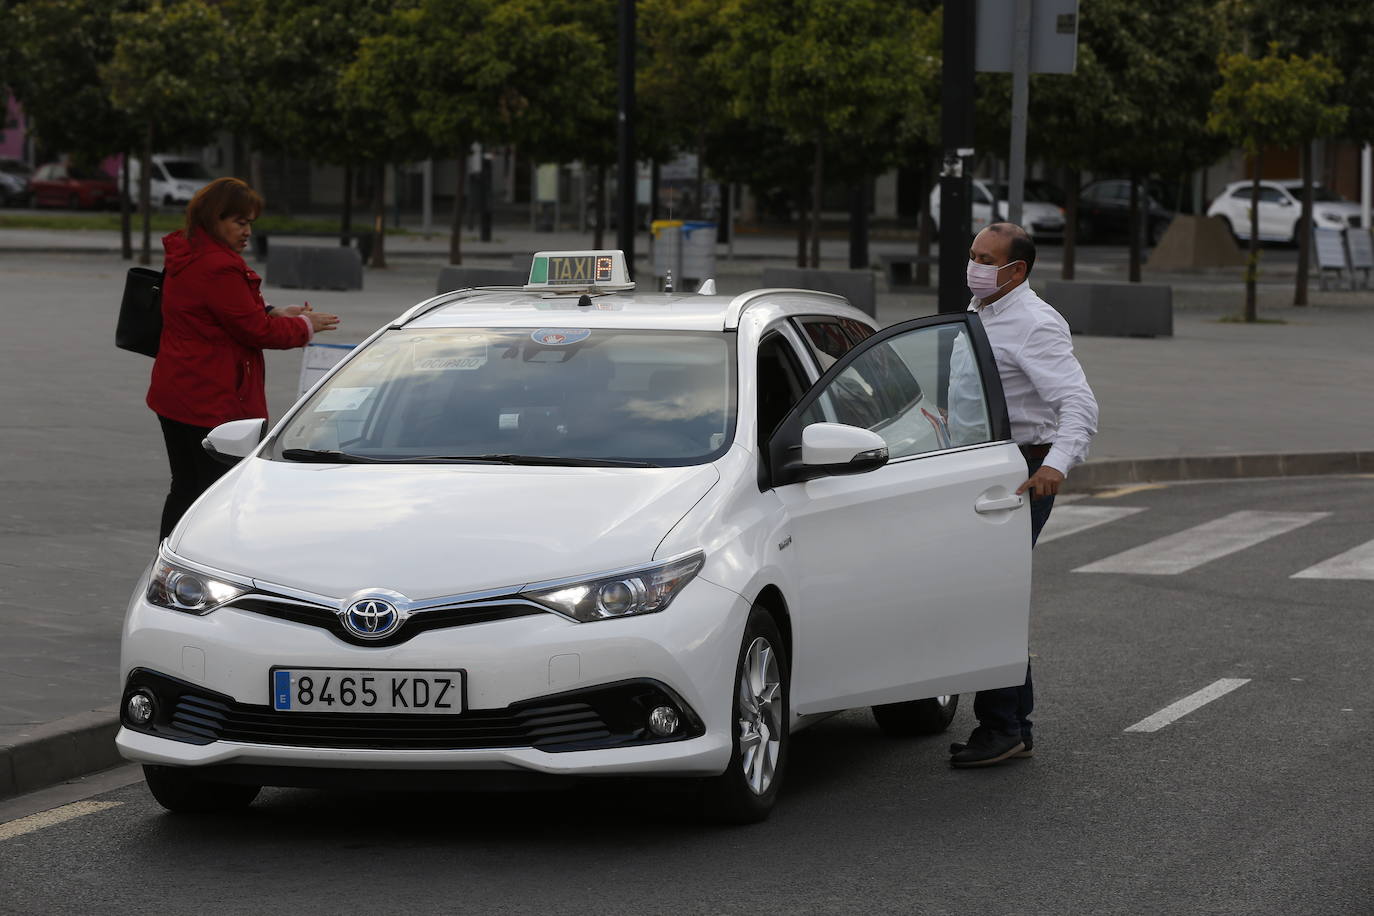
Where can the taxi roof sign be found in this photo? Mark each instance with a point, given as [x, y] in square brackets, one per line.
[579, 271]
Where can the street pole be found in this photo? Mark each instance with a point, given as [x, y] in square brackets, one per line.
[427, 204]
[1020, 102]
[627, 178]
[1366, 155]
[956, 130]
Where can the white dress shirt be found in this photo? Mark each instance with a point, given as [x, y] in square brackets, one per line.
[1048, 398]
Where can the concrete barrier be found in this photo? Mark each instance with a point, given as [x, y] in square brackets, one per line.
[455, 277]
[855, 285]
[1114, 309]
[308, 267]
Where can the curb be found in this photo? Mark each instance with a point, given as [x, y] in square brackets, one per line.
[1115, 472]
[43, 755]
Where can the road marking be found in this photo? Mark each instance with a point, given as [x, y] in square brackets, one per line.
[53, 817]
[1067, 520]
[1127, 491]
[1353, 564]
[1185, 550]
[1189, 703]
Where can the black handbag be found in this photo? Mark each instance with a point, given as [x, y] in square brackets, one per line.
[140, 313]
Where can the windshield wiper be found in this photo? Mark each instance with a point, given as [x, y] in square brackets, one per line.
[326, 456]
[551, 460]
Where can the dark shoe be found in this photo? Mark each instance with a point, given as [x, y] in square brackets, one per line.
[1027, 751]
[985, 748]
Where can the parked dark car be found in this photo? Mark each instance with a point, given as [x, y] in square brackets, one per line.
[1104, 209]
[59, 184]
[14, 183]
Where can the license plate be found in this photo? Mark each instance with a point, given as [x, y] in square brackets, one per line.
[364, 691]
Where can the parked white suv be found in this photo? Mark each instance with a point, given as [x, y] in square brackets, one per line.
[1280, 208]
[175, 179]
[575, 529]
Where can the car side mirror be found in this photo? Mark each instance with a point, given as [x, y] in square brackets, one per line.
[835, 449]
[230, 442]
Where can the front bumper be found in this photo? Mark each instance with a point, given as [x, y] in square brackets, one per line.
[519, 672]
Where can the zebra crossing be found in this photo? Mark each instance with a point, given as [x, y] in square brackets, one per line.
[1192, 547]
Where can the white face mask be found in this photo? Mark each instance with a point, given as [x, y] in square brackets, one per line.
[982, 278]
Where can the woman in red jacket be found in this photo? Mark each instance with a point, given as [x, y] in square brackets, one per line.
[215, 325]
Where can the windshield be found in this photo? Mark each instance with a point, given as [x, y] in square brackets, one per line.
[84, 173]
[185, 169]
[567, 395]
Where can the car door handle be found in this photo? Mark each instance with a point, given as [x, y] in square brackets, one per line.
[996, 505]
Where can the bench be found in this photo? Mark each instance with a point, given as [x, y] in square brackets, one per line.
[1114, 309]
[855, 285]
[308, 267]
[456, 277]
[363, 239]
[1329, 249]
[900, 268]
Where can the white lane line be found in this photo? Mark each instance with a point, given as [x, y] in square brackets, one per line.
[1067, 520]
[53, 817]
[1185, 550]
[1189, 703]
[1353, 564]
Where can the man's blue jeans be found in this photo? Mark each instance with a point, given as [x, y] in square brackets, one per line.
[1007, 710]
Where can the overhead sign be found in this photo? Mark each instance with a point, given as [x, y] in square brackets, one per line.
[1054, 36]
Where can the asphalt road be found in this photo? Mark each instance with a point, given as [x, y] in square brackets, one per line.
[1257, 802]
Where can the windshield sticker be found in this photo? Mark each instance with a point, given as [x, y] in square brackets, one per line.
[560, 337]
[448, 354]
[343, 399]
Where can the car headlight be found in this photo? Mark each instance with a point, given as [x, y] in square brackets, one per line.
[646, 590]
[181, 589]
[1331, 217]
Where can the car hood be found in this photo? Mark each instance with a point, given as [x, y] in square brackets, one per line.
[433, 530]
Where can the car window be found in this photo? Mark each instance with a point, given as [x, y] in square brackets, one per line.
[780, 383]
[1241, 193]
[1271, 195]
[981, 195]
[922, 391]
[827, 339]
[665, 397]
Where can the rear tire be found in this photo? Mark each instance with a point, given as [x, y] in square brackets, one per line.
[746, 791]
[917, 717]
[179, 790]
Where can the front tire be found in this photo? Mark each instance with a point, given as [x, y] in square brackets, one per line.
[181, 791]
[917, 717]
[746, 791]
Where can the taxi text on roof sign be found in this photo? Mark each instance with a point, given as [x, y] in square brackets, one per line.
[574, 271]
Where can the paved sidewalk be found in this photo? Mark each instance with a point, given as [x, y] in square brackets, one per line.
[83, 470]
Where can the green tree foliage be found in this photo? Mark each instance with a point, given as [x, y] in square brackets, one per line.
[835, 76]
[175, 73]
[1273, 100]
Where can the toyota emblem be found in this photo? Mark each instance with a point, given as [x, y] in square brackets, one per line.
[371, 618]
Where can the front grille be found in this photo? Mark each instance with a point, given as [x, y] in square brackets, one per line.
[419, 622]
[600, 717]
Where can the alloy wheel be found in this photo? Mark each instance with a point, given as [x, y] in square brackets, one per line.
[760, 715]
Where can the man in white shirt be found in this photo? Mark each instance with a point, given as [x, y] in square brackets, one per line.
[1053, 418]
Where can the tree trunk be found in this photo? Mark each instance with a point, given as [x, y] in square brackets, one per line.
[1133, 229]
[379, 218]
[1252, 265]
[858, 225]
[1072, 179]
[655, 177]
[1304, 230]
[803, 215]
[817, 177]
[126, 241]
[346, 222]
[145, 190]
[599, 211]
[923, 233]
[455, 238]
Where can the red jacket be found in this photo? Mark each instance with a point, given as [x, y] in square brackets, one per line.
[209, 367]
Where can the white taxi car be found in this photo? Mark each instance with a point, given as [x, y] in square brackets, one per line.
[576, 529]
